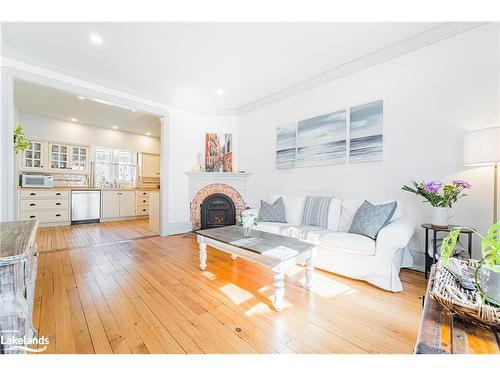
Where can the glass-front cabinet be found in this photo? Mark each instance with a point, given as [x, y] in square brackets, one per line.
[33, 158]
[58, 157]
[79, 158]
[55, 157]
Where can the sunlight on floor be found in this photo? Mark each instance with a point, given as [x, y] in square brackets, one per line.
[209, 275]
[327, 288]
[236, 294]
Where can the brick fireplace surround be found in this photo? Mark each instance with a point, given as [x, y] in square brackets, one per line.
[206, 191]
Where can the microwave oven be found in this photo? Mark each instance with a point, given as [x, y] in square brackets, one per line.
[37, 180]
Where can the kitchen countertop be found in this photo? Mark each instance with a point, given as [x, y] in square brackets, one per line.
[86, 188]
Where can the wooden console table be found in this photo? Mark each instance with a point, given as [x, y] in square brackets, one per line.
[444, 333]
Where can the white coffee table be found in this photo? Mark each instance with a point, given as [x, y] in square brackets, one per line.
[270, 250]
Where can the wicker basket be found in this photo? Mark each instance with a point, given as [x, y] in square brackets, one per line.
[465, 303]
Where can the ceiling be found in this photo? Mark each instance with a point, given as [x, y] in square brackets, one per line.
[65, 106]
[185, 64]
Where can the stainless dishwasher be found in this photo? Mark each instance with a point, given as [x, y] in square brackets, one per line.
[85, 206]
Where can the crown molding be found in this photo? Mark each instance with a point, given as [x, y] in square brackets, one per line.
[426, 38]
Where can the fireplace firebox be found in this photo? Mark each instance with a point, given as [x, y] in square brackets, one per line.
[217, 210]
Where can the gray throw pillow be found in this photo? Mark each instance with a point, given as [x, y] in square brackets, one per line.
[370, 219]
[273, 212]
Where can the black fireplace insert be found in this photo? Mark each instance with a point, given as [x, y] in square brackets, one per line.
[217, 210]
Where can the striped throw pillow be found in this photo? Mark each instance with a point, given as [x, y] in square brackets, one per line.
[316, 211]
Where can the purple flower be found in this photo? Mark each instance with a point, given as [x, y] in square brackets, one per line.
[462, 184]
[433, 187]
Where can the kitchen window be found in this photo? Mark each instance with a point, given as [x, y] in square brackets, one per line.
[114, 165]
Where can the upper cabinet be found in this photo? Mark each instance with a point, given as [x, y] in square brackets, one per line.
[150, 165]
[34, 157]
[79, 158]
[55, 157]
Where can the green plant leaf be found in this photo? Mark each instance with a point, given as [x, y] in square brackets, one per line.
[448, 245]
[490, 247]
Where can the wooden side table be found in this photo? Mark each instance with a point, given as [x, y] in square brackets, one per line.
[442, 332]
[429, 261]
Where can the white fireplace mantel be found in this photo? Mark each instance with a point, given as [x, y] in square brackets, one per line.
[198, 180]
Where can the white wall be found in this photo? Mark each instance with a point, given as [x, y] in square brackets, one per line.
[51, 129]
[431, 97]
[185, 141]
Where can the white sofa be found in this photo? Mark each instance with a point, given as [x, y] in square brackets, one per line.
[352, 255]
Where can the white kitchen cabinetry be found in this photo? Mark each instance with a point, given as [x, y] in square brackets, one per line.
[142, 203]
[150, 166]
[34, 157]
[117, 204]
[50, 207]
[52, 157]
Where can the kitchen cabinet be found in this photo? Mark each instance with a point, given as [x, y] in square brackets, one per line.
[116, 204]
[150, 166]
[58, 157]
[52, 157]
[34, 157]
[141, 203]
[79, 158]
[49, 207]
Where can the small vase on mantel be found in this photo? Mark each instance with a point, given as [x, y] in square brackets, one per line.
[440, 216]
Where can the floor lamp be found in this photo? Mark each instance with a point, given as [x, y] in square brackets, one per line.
[482, 148]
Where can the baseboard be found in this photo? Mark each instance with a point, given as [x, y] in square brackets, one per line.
[104, 220]
[178, 228]
[418, 260]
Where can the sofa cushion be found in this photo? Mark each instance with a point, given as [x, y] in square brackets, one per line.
[316, 211]
[350, 207]
[334, 214]
[272, 212]
[349, 242]
[309, 233]
[271, 227]
[370, 218]
[294, 205]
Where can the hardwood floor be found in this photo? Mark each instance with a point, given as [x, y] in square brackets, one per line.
[102, 289]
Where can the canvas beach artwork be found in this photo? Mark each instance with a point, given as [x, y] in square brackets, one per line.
[321, 140]
[218, 152]
[286, 146]
[366, 135]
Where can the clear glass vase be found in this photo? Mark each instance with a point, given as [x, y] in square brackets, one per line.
[247, 231]
[488, 282]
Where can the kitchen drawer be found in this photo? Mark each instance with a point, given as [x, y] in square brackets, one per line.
[44, 204]
[45, 216]
[49, 193]
[141, 200]
[142, 194]
[142, 210]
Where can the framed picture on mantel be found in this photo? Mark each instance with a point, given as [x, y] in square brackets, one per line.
[218, 152]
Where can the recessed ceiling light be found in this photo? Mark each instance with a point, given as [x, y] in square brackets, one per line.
[74, 119]
[220, 92]
[81, 97]
[148, 133]
[96, 39]
[115, 127]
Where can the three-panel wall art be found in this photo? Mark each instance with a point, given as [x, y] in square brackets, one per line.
[324, 139]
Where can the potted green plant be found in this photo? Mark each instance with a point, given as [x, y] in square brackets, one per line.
[21, 143]
[487, 274]
[440, 196]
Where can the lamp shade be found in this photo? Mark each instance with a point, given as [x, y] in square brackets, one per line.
[482, 147]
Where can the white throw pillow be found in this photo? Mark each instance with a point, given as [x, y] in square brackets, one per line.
[334, 214]
[294, 206]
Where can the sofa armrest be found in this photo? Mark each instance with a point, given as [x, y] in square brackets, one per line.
[394, 236]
